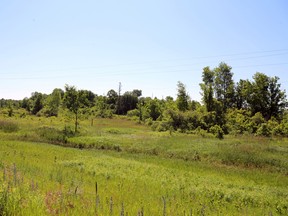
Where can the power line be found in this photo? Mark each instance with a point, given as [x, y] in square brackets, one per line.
[121, 73]
[193, 58]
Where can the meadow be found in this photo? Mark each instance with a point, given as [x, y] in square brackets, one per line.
[119, 167]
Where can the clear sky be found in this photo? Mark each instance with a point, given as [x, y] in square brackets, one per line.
[147, 45]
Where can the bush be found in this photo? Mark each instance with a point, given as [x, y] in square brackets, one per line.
[54, 135]
[133, 113]
[238, 121]
[8, 126]
[148, 122]
[200, 132]
[256, 121]
[154, 125]
[264, 130]
[280, 130]
[68, 131]
[217, 131]
[163, 126]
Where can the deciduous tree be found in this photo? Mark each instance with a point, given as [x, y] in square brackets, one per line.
[72, 102]
[182, 97]
[224, 85]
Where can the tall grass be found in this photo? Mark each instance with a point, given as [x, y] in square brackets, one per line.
[63, 181]
[8, 126]
[138, 171]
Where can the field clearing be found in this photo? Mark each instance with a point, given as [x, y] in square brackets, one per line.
[118, 167]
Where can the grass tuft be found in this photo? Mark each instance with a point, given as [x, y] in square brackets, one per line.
[8, 126]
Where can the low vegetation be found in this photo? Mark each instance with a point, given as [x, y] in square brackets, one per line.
[73, 152]
[119, 167]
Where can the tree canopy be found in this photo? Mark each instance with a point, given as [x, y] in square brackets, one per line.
[255, 106]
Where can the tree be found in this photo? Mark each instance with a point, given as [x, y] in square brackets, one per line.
[102, 107]
[208, 77]
[137, 93]
[263, 95]
[72, 102]
[258, 99]
[128, 102]
[276, 99]
[26, 104]
[153, 107]
[224, 85]
[112, 97]
[86, 98]
[10, 110]
[243, 91]
[37, 102]
[53, 102]
[182, 97]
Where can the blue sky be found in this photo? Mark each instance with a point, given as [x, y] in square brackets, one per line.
[147, 45]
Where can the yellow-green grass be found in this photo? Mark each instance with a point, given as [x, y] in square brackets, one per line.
[150, 173]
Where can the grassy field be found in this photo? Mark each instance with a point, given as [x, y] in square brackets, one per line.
[118, 167]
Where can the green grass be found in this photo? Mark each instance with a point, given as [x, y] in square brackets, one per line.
[138, 170]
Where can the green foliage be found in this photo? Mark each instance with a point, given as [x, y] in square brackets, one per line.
[217, 131]
[242, 94]
[37, 102]
[182, 97]
[266, 96]
[71, 99]
[112, 98]
[102, 109]
[152, 109]
[133, 113]
[208, 77]
[264, 130]
[53, 103]
[26, 104]
[128, 101]
[224, 85]
[238, 121]
[86, 98]
[256, 121]
[177, 120]
[161, 126]
[72, 102]
[200, 132]
[10, 110]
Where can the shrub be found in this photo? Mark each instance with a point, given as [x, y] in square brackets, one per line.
[200, 132]
[256, 122]
[68, 131]
[238, 121]
[54, 135]
[164, 126]
[149, 122]
[154, 125]
[264, 130]
[105, 113]
[133, 113]
[280, 130]
[217, 131]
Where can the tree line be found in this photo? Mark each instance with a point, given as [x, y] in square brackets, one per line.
[256, 106]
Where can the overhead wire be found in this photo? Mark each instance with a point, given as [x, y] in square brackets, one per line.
[140, 71]
[103, 74]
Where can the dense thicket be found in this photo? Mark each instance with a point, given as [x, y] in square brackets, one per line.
[256, 106]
